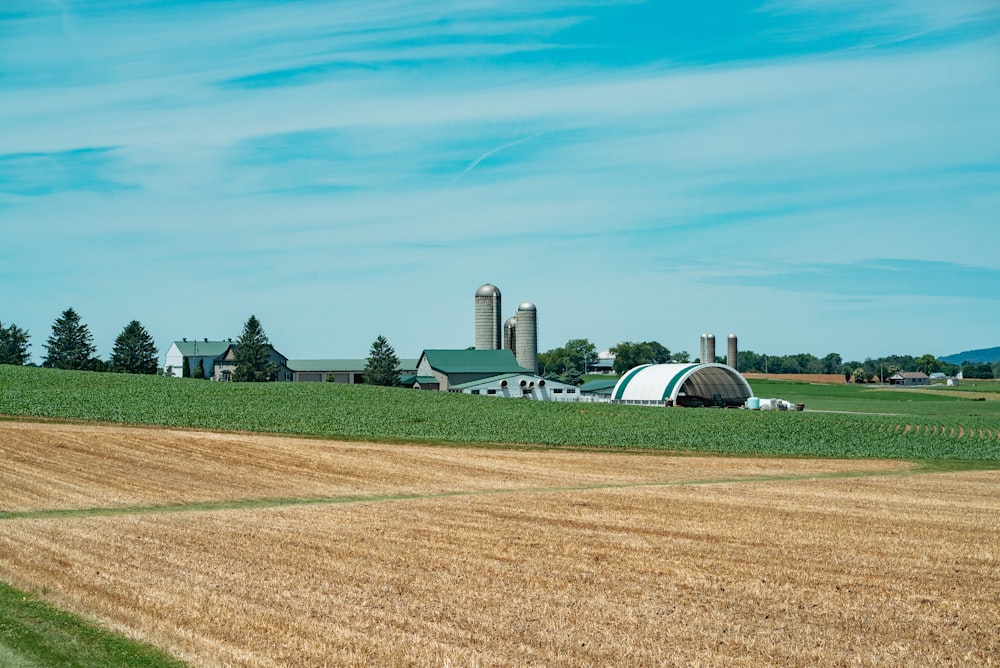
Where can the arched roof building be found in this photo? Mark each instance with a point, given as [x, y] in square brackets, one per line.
[683, 385]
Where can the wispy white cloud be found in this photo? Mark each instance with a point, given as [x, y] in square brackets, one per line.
[302, 144]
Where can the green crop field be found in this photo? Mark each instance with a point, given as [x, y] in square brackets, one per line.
[896, 424]
[937, 400]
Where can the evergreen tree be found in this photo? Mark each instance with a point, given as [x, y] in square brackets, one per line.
[71, 344]
[13, 345]
[134, 351]
[382, 367]
[251, 351]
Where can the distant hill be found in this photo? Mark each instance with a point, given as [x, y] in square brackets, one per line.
[982, 355]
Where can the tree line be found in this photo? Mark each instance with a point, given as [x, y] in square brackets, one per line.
[71, 346]
[862, 371]
[569, 363]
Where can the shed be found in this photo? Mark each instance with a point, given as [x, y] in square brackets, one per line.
[683, 385]
[910, 379]
[525, 385]
[341, 370]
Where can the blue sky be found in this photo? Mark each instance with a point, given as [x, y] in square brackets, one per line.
[813, 175]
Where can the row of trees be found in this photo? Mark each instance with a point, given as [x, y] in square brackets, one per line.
[865, 370]
[569, 363]
[71, 346]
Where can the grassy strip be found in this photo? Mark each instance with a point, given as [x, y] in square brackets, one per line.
[33, 633]
[920, 467]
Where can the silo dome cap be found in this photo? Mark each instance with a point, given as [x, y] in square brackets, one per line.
[526, 306]
[488, 290]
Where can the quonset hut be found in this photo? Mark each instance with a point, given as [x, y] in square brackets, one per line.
[682, 385]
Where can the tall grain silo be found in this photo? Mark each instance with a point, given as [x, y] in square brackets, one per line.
[510, 333]
[526, 340]
[709, 349]
[488, 318]
[733, 358]
[701, 348]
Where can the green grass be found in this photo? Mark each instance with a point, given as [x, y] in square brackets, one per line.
[33, 634]
[944, 401]
[371, 413]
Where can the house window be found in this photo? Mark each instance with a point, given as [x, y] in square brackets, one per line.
[475, 391]
[570, 391]
[558, 390]
[491, 391]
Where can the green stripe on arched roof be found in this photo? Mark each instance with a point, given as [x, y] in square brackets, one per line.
[673, 381]
[626, 379]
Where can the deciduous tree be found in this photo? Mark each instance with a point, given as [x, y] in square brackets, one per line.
[570, 362]
[629, 354]
[928, 364]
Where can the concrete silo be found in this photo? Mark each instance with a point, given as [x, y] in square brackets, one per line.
[488, 318]
[526, 340]
[733, 358]
[709, 349]
[510, 333]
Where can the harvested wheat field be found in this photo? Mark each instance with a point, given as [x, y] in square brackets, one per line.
[413, 555]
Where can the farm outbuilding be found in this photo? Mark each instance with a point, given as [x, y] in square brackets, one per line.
[683, 385]
[520, 385]
[910, 379]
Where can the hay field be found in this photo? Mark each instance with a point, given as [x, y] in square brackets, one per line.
[498, 557]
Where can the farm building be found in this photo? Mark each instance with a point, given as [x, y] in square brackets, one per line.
[599, 390]
[442, 369]
[349, 371]
[211, 359]
[910, 379]
[199, 355]
[682, 385]
[225, 364]
[524, 385]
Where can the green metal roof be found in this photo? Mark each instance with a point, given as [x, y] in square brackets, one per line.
[202, 348]
[494, 362]
[426, 380]
[600, 386]
[342, 365]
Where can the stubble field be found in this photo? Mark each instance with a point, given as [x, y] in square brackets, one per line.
[247, 550]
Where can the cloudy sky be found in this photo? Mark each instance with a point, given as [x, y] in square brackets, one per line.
[813, 175]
